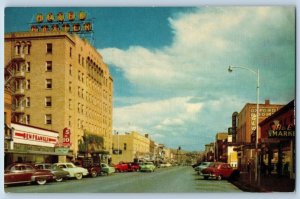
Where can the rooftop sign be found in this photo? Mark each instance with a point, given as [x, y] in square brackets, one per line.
[68, 22]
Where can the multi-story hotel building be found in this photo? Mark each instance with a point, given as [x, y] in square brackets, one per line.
[59, 81]
[130, 147]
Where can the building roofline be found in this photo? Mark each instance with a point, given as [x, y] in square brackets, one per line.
[285, 108]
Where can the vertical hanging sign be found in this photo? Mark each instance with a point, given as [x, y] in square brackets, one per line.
[66, 137]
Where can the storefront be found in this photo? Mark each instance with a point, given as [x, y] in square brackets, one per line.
[31, 144]
[278, 142]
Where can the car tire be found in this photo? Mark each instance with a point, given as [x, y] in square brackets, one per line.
[59, 179]
[94, 174]
[78, 176]
[219, 177]
[41, 181]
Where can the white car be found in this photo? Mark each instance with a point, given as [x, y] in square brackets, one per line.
[75, 172]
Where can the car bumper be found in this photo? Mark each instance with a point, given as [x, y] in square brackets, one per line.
[208, 174]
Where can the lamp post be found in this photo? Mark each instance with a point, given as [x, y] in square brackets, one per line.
[257, 116]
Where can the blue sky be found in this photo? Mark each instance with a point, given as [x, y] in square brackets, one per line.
[170, 64]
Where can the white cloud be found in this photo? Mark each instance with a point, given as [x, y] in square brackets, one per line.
[157, 115]
[205, 42]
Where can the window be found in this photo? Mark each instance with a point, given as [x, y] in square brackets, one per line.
[78, 107]
[70, 70]
[70, 52]
[27, 101]
[70, 87]
[70, 118]
[28, 84]
[48, 66]
[28, 49]
[49, 48]
[125, 146]
[82, 77]
[48, 101]
[27, 118]
[79, 77]
[18, 49]
[79, 58]
[82, 61]
[48, 83]
[28, 67]
[48, 119]
[70, 104]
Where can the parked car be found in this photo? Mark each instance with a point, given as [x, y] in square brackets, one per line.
[133, 166]
[202, 166]
[195, 165]
[219, 170]
[147, 166]
[106, 169]
[26, 173]
[59, 173]
[74, 171]
[121, 167]
[92, 164]
[164, 165]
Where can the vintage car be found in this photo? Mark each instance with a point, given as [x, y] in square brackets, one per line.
[147, 166]
[133, 166]
[202, 166]
[59, 173]
[26, 173]
[106, 169]
[219, 170]
[74, 171]
[121, 167]
[92, 164]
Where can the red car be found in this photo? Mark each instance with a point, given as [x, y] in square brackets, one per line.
[26, 173]
[129, 166]
[219, 170]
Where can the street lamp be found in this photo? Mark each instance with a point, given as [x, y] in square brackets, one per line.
[230, 69]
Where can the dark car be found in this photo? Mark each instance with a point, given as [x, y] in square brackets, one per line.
[26, 173]
[133, 166]
[219, 170]
[92, 164]
[59, 173]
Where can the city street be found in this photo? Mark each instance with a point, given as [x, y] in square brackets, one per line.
[163, 180]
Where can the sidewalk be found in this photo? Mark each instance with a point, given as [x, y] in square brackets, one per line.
[272, 183]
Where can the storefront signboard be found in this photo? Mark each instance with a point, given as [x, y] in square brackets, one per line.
[281, 133]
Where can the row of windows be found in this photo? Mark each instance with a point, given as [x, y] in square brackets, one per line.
[48, 119]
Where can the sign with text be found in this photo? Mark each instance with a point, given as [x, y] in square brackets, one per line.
[66, 137]
[281, 133]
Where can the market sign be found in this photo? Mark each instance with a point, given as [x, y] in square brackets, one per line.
[281, 133]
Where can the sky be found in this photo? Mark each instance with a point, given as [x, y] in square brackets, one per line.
[170, 64]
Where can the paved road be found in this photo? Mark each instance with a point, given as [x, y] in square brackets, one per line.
[165, 180]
